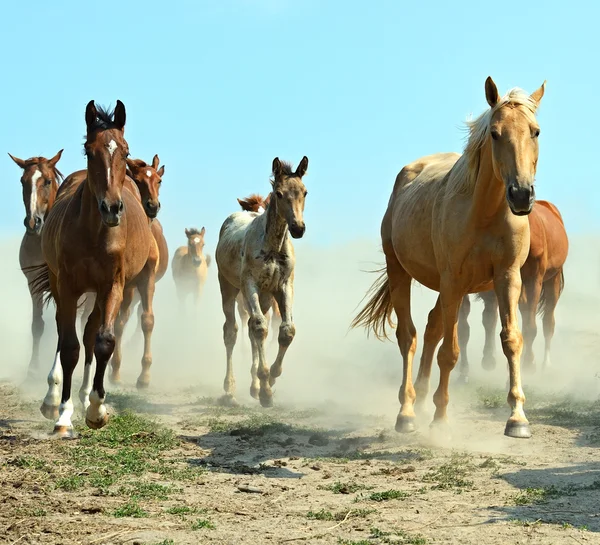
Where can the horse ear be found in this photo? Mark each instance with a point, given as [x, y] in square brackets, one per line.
[19, 162]
[134, 164]
[120, 115]
[244, 204]
[90, 113]
[56, 158]
[155, 162]
[202, 231]
[491, 92]
[268, 199]
[187, 232]
[161, 171]
[276, 166]
[536, 96]
[302, 167]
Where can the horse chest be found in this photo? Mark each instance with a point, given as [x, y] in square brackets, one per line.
[272, 270]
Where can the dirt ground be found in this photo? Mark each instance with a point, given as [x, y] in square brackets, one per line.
[325, 464]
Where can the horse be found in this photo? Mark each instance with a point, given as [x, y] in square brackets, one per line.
[257, 204]
[97, 238]
[40, 182]
[255, 256]
[543, 282]
[190, 267]
[148, 179]
[458, 224]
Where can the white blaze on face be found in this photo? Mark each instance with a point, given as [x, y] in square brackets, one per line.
[33, 199]
[112, 146]
[196, 240]
[149, 173]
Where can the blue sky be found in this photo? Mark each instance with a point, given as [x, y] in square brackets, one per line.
[218, 89]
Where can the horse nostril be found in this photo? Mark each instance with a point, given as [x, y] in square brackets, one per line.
[104, 206]
[121, 206]
[38, 221]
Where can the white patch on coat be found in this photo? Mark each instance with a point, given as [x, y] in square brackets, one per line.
[196, 240]
[33, 201]
[112, 146]
[149, 173]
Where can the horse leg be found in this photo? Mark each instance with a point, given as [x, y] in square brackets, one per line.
[287, 330]
[122, 319]
[109, 302]
[146, 283]
[276, 320]
[489, 319]
[406, 335]
[68, 355]
[432, 337]
[464, 334]
[552, 290]
[447, 356]
[507, 285]
[49, 407]
[89, 337]
[244, 316]
[37, 330]
[528, 307]
[229, 295]
[88, 307]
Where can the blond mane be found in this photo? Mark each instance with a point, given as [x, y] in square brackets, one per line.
[463, 176]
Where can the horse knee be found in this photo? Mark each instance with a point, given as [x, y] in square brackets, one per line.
[258, 328]
[448, 355]
[287, 333]
[69, 351]
[230, 331]
[147, 322]
[512, 341]
[37, 326]
[407, 340]
[104, 347]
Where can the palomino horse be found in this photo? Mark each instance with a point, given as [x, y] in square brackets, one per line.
[190, 266]
[458, 225]
[256, 204]
[96, 239]
[148, 179]
[255, 256]
[543, 281]
[40, 181]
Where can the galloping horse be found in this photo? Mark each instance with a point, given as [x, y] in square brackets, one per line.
[148, 179]
[190, 266]
[255, 256]
[40, 181]
[97, 239]
[543, 281]
[257, 205]
[458, 225]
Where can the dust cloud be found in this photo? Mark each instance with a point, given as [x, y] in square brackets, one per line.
[327, 364]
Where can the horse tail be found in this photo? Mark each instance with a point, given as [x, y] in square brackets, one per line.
[39, 282]
[377, 313]
[542, 304]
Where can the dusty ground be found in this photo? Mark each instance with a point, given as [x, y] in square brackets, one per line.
[324, 465]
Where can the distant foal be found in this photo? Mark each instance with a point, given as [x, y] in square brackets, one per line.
[40, 181]
[190, 266]
[256, 204]
[543, 282]
[255, 256]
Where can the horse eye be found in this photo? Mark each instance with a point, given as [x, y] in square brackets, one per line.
[47, 182]
[305, 193]
[279, 195]
[495, 135]
[536, 133]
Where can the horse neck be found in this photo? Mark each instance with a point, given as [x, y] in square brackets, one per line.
[51, 198]
[275, 229]
[489, 195]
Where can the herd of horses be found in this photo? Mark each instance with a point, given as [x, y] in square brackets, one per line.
[458, 224]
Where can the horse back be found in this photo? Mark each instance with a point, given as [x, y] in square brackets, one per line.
[549, 241]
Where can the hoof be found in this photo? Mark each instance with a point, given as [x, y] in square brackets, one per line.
[63, 432]
[517, 430]
[405, 424]
[266, 400]
[115, 380]
[440, 432]
[97, 425]
[142, 384]
[50, 412]
[228, 401]
[462, 380]
[488, 363]
[254, 391]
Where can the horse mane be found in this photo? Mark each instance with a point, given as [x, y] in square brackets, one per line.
[463, 176]
[194, 231]
[286, 168]
[104, 119]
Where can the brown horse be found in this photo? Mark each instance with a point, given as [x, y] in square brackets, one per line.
[190, 266]
[148, 179]
[97, 239]
[543, 282]
[458, 225]
[256, 204]
[40, 181]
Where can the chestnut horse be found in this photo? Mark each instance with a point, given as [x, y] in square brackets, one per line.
[543, 281]
[40, 181]
[256, 204]
[255, 256]
[148, 179]
[190, 266]
[458, 225]
[97, 239]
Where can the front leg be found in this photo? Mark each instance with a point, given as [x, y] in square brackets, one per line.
[146, 286]
[37, 330]
[284, 298]
[507, 285]
[122, 319]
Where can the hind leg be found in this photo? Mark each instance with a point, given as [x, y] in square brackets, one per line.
[122, 319]
[49, 407]
[146, 283]
[406, 335]
[552, 291]
[464, 334]
[528, 307]
[89, 337]
[37, 330]
[432, 337]
[244, 317]
[229, 294]
[276, 320]
[489, 319]
[287, 329]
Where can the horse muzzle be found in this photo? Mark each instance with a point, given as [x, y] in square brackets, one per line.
[111, 213]
[152, 208]
[297, 230]
[33, 225]
[520, 199]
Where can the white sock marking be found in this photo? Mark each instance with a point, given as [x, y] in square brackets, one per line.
[96, 410]
[55, 377]
[86, 386]
[66, 413]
